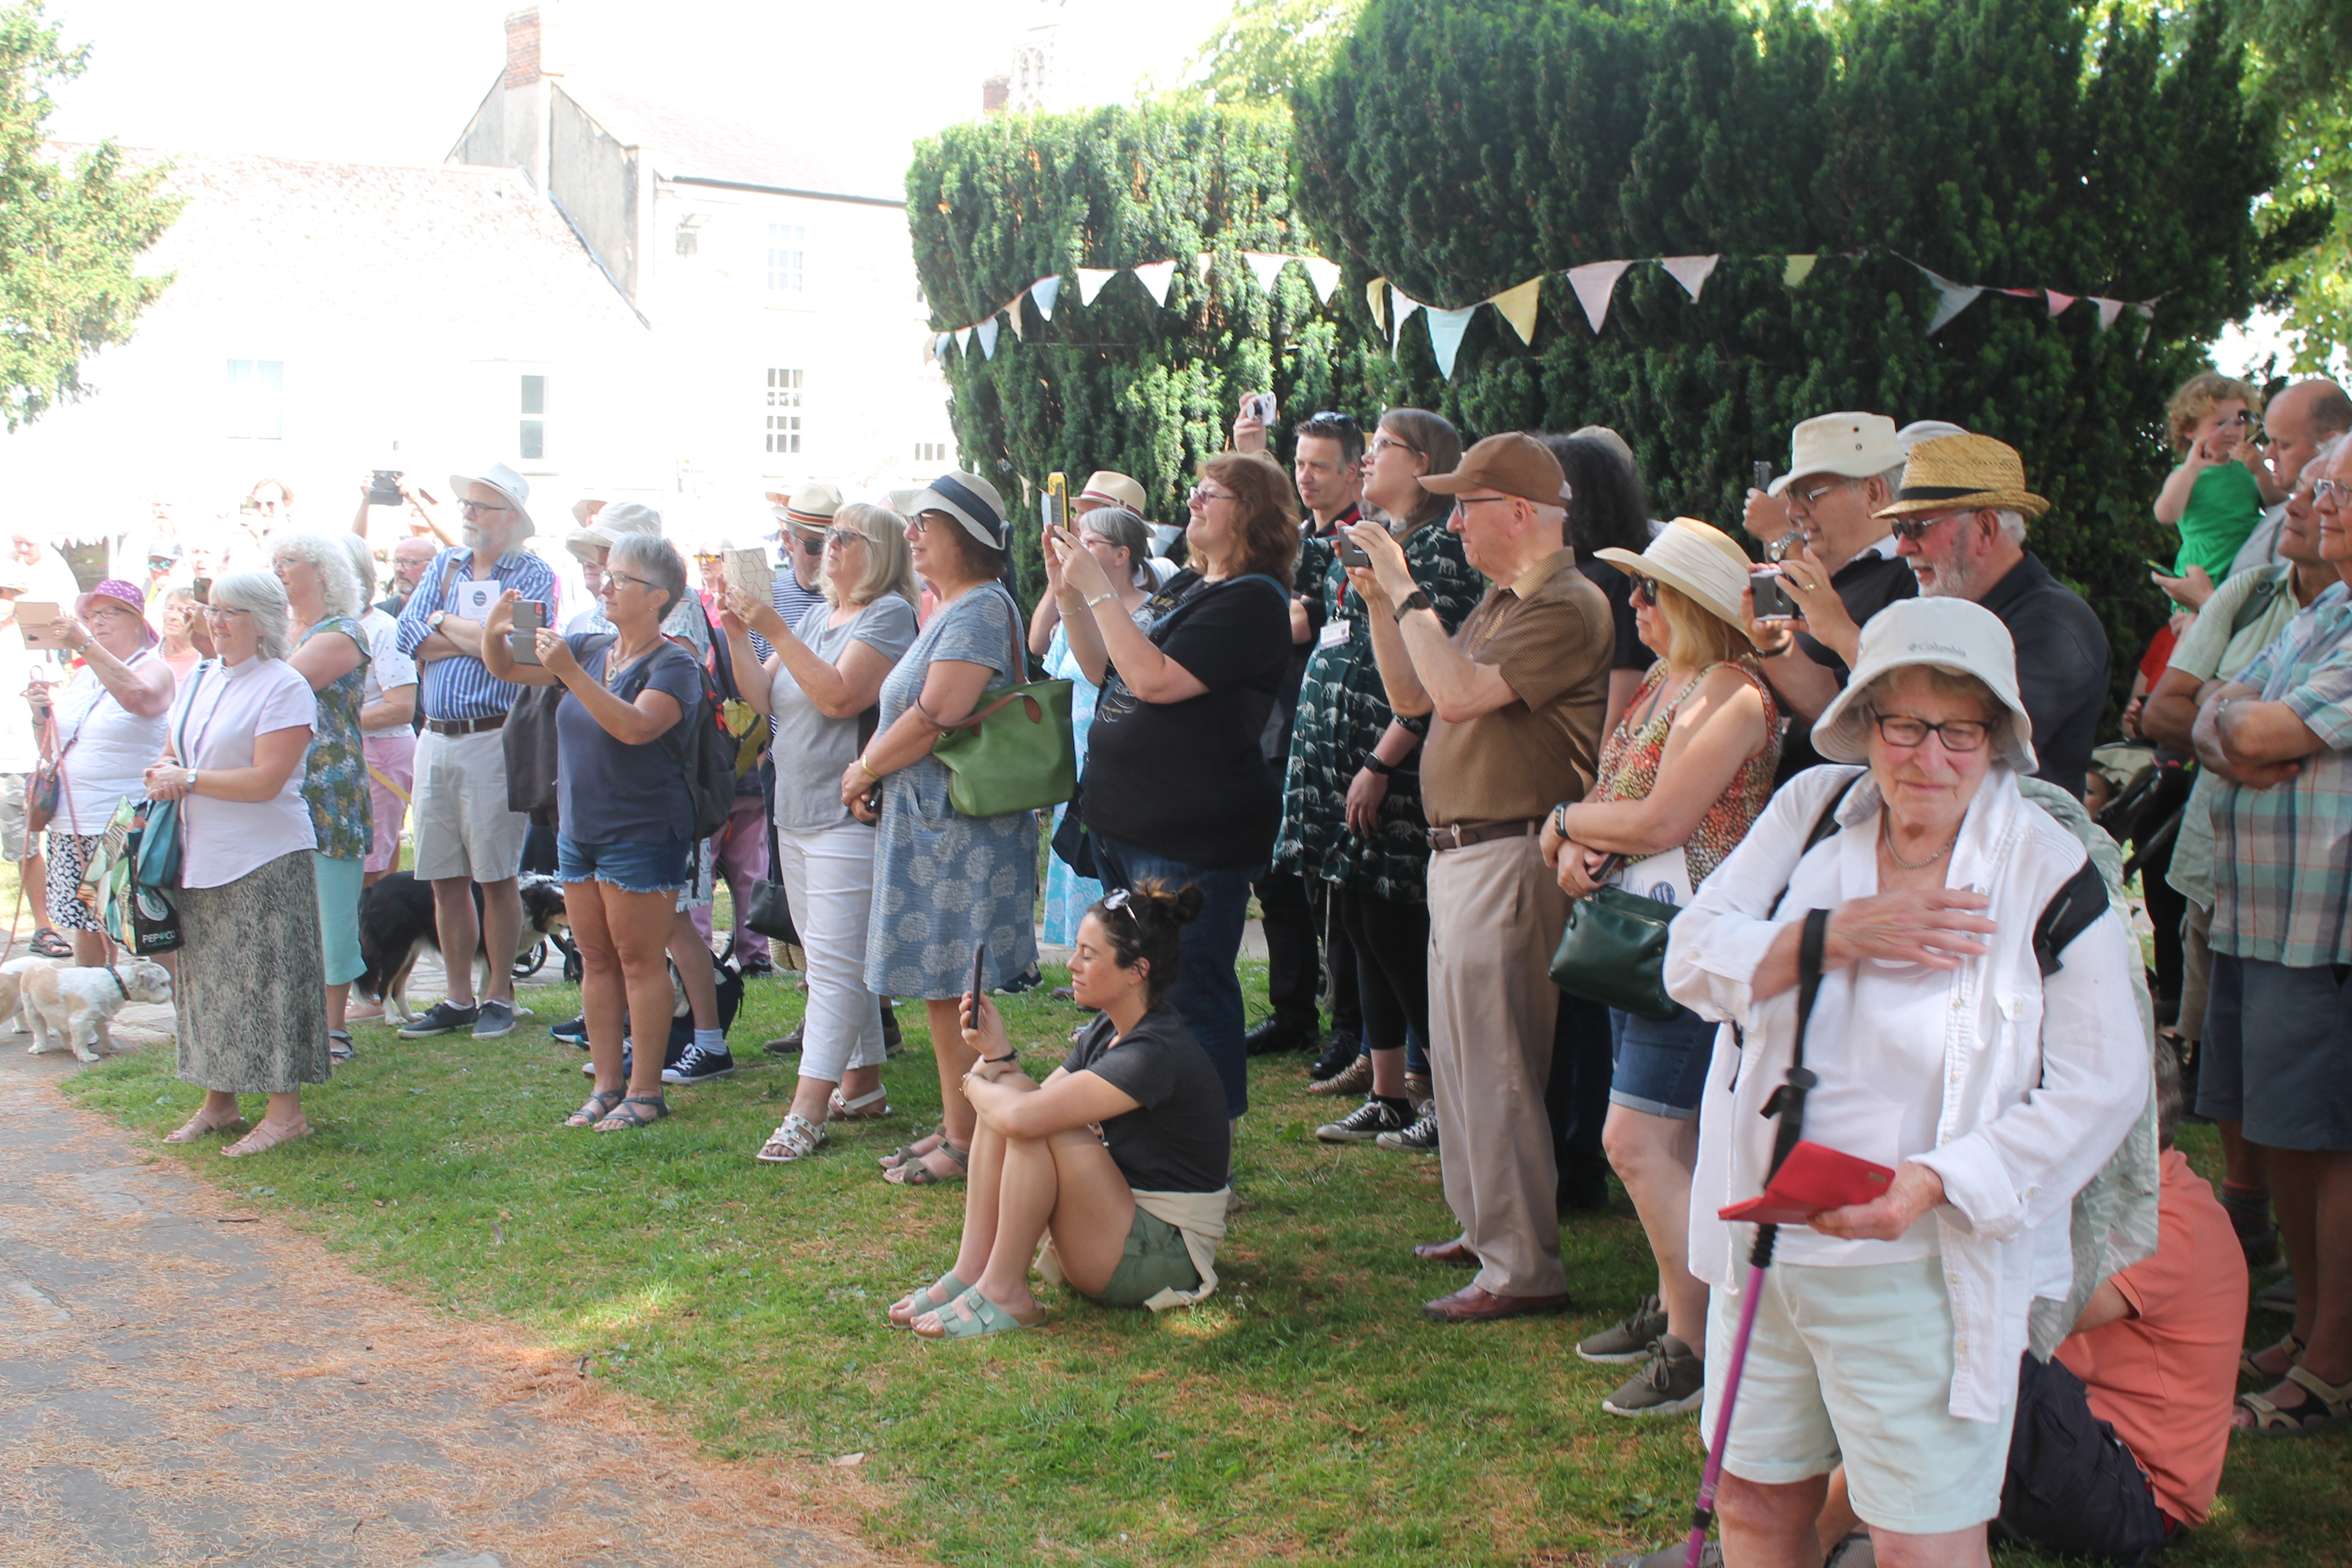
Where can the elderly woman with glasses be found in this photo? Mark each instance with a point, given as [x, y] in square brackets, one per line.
[822, 681]
[109, 723]
[251, 986]
[1909, 890]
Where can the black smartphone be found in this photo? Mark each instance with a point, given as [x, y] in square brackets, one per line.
[383, 486]
[1762, 472]
[203, 590]
[1351, 554]
[971, 1009]
[1772, 600]
[2161, 568]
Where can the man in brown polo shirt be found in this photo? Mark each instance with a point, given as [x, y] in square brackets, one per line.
[1515, 699]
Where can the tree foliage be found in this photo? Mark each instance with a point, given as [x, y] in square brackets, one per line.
[70, 238]
[1265, 49]
[2299, 48]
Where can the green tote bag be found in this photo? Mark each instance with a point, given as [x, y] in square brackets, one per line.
[1017, 751]
[1613, 952]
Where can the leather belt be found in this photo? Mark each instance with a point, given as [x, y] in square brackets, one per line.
[464, 726]
[1462, 834]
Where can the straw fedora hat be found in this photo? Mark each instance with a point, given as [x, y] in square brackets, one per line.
[1964, 473]
[1950, 633]
[1698, 559]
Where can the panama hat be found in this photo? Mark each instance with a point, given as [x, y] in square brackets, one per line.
[810, 506]
[1109, 486]
[967, 497]
[1920, 430]
[508, 483]
[1950, 634]
[616, 518]
[1964, 473]
[1852, 446]
[1698, 561]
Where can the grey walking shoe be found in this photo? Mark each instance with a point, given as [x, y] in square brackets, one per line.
[1629, 1340]
[444, 1017]
[493, 1019]
[1672, 1384]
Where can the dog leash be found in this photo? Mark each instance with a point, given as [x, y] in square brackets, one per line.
[117, 983]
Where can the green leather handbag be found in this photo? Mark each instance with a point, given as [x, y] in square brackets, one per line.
[1613, 952]
[1017, 752]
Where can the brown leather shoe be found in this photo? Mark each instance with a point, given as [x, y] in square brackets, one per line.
[1472, 1304]
[1455, 1252]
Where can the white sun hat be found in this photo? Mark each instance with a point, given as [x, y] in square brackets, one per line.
[612, 521]
[1954, 635]
[1853, 445]
[1696, 558]
[508, 483]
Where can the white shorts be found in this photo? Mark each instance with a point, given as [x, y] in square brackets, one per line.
[460, 817]
[1855, 1365]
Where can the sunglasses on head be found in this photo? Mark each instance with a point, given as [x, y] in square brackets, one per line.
[1119, 899]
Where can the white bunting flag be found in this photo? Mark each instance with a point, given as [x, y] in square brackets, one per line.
[2146, 308]
[1690, 271]
[1044, 291]
[1955, 297]
[2058, 302]
[1323, 275]
[1518, 306]
[1202, 263]
[1402, 307]
[940, 346]
[1091, 279]
[2109, 310]
[1155, 277]
[1594, 282]
[963, 339]
[987, 330]
[1265, 267]
[1445, 329]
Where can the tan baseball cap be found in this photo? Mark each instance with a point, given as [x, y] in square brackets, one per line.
[1513, 463]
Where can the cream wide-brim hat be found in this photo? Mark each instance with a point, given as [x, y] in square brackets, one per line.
[1699, 560]
[617, 518]
[508, 483]
[1852, 446]
[1956, 635]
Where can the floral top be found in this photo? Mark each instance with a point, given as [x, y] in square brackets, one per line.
[1343, 711]
[1629, 766]
[334, 770]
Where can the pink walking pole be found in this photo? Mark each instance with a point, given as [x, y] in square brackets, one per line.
[1703, 1512]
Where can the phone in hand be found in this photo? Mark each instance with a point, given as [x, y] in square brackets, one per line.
[383, 486]
[1057, 504]
[971, 1009]
[33, 620]
[1351, 554]
[1772, 600]
[1761, 472]
[523, 641]
[202, 589]
[2161, 568]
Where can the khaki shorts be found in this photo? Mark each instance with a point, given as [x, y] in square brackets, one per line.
[462, 824]
[1155, 1261]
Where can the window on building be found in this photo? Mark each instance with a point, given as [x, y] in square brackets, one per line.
[931, 451]
[257, 399]
[785, 389]
[532, 438]
[787, 253]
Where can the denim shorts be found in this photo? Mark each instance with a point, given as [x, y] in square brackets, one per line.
[1155, 1260]
[1659, 1064]
[2277, 1054]
[660, 868]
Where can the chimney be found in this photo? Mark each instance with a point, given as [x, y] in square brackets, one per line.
[993, 92]
[523, 48]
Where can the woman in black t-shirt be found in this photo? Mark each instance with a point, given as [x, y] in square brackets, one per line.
[1177, 785]
[1131, 1214]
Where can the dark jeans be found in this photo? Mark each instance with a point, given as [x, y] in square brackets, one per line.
[1208, 994]
[2073, 1486]
[1391, 942]
[1577, 1098]
[1293, 970]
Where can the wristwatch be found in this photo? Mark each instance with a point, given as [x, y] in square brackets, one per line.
[433, 622]
[1373, 764]
[188, 780]
[1416, 600]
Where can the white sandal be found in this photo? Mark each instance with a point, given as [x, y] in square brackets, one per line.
[840, 1109]
[796, 1139]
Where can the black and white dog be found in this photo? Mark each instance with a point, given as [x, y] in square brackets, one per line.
[396, 925]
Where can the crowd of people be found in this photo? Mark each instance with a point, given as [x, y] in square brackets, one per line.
[1419, 698]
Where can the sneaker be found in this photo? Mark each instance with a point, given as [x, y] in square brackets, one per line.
[1339, 1052]
[444, 1017]
[1028, 979]
[786, 1045]
[493, 1019]
[1630, 1340]
[1420, 1091]
[756, 964]
[1421, 1137]
[1672, 1384]
[573, 1032]
[1357, 1079]
[1364, 1123]
[698, 1064]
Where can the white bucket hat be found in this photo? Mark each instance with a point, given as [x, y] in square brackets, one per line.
[1950, 633]
[1853, 445]
[1697, 558]
[615, 518]
[508, 483]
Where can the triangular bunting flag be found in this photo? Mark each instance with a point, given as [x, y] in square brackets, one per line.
[1690, 271]
[1202, 263]
[940, 346]
[1594, 282]
[1044, 291]
[2058, 302]
[1955, 297]
[1265, 267]
[2024, 293]
[2146, 308]
[1445, 329]
[1518, 306]
[963, 339]
[1376, 294]
[2109, 310]
[1403, 307]
[1323, 275]
[987, 330]
[1091, 280]
[1155, 277]
[1012, 313]
[1800, 268]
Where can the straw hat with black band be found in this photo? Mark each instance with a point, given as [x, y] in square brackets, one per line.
[1700, 561]
[967, 497]
[1963, 473]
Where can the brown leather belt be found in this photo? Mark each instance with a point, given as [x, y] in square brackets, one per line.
[1462, 834]
[464, 726]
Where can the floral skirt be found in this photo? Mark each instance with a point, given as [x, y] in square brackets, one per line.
[251, 991]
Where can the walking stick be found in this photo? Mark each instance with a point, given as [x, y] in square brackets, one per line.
[1787, 1104]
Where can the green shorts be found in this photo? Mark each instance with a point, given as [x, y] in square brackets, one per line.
[1155, 1260]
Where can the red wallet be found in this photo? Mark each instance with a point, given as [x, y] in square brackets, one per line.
[1812, 1178]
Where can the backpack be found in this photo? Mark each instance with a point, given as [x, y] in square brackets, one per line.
[708, 759]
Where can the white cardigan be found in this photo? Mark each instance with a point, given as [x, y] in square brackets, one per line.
[2040, 1083]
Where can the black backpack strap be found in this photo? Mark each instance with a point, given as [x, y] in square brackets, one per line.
[2069, 913]
[1825, 825]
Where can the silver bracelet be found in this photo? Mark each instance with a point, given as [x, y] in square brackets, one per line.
[1104, 600]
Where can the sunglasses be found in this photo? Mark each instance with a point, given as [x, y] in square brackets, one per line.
[843, 537]
[1121, 900]
[1645, 590]
[1915, 529]
[814, 544]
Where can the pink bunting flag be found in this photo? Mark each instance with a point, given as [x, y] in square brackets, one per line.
[1594, 282]
[1091, 280]
[2059, 302]
[2109, 310]
[1690, 271]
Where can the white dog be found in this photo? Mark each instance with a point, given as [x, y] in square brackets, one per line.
[72, 1006]
[12, 980]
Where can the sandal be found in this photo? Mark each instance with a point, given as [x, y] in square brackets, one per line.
[265, 1136]
[972, 1316]
[600, 1105]
[796, 1139]
[915, 1173]
[196, 1127]
[338, 1045]
[627, 1118]
[2328, 1405]
[2253, 1371]
[907, 1153]
[925, 1299]
[840, 1109]
[49, 944]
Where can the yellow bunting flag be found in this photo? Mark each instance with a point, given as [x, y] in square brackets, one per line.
[1800, 268]
[1518, 306]
[1376, 294]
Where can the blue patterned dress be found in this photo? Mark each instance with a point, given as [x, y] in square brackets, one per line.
[334, 770]
[944, 881]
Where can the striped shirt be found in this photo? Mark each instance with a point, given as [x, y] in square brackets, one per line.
[460, 688]
[2283, 856]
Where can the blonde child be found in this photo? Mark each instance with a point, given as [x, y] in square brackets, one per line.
[2215, 497]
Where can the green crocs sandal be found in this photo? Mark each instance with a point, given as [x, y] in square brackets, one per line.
[972, 1316]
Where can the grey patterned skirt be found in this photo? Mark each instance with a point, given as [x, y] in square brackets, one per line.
[251, 991]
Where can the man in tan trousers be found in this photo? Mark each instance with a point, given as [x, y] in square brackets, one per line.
[1517, 698]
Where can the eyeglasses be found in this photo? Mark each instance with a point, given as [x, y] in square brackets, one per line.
[1958, 734]
[611, 577]
[814, 544]
[1808, 499]
[1645, 590]
[2323, 489]
[476, 508]
[843, 537]
[1204, 495]
[1916, 528]
[1385, 442]
[225, 610]
[1461, 502]
[2245, 419]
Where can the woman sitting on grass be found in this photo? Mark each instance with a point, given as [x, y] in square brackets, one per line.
[1121, 1159]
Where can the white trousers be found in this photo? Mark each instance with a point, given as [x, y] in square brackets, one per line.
[828, 873]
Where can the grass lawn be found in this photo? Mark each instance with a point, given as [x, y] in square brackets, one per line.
[1305, 1413]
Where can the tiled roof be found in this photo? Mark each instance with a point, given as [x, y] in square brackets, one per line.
[692, 142]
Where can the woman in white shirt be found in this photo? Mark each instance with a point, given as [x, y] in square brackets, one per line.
[251, 990]
[109, 725]
[1890, 1331]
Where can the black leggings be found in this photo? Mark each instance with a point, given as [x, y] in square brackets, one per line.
[1392, 942]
